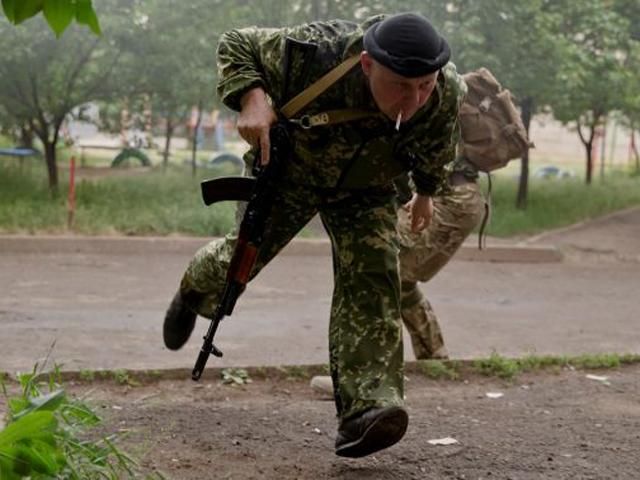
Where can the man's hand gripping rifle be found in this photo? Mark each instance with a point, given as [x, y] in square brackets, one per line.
[260, 192]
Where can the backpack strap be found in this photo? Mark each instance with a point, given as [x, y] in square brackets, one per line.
[486, 218]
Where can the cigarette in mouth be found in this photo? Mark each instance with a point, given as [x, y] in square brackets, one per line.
[398, 120]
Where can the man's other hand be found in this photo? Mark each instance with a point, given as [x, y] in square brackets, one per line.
[420, 209]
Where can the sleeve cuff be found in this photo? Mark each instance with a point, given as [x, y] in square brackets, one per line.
[426, 184]
[232, 99]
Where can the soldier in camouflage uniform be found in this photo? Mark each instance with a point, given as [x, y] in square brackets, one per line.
[344, 172]
[457, 211]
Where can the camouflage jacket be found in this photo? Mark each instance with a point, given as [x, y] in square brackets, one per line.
[352, 155]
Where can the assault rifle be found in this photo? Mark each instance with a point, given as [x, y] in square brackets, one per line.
[259, 191]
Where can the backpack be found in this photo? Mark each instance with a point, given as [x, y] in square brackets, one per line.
[491, 128]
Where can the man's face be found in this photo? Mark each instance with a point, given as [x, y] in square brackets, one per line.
[394, 93]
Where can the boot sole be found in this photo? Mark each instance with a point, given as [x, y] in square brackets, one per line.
[384, 431]
[178, 325]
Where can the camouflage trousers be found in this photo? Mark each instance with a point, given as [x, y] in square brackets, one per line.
[422, 255]
[365, 332]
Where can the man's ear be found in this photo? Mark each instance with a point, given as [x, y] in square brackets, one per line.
[366, 62]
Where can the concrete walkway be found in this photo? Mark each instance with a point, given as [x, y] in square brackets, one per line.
[101, 301]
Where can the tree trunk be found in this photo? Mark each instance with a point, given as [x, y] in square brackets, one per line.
[194, 146]
[167, 143]
[42, 130]
[26, 137]
[603, 144]
[523, 184]
[148, 121]
[52, 165]
[634, 148]
[589, 148]
[588, 145]
[125, 123]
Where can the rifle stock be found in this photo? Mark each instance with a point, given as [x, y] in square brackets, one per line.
[260, 193]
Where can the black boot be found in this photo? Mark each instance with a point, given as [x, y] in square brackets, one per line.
[371, 431]
[178, 322]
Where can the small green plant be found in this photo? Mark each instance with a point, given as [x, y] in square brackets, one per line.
[628, 358]
[604, 360]
[535, 362]
[87, 375]
[497, 365]
[45, 436]
[235, 376]
[437, 370]
[122, 377]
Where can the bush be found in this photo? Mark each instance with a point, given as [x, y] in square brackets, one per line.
[45, 436]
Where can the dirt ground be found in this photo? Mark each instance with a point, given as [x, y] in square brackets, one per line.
[547, 425]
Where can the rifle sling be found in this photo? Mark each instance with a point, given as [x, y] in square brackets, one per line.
[330, 117]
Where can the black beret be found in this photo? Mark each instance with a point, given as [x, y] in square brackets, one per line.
[407, 44]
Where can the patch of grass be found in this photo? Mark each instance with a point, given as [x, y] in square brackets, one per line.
[629, 358]
[558, 203]
[46, 436]
[535, 362]
[122, 377]
[437, 370]
[162, 203]
[604, 360]
[497, 366]
[153, 203]
[87, 375]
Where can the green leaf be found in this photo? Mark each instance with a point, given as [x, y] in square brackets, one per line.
[47, 402]
[80, 413]
[39, 457]
[59, 14]
[85, 15]
[9, 7]
[25, 9]
[17, 405]
[36, 424]
[50, 401]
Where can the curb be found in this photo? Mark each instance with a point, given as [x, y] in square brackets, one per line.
[466, 367]
[120, 245]
[511, 254]
[579, 225]
[91, 245]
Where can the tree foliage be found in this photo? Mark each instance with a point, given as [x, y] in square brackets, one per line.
[578, 60]
[592, 73]
[58, 13]
[43, 79]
